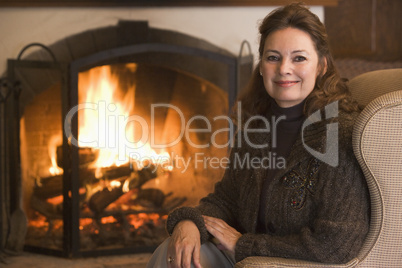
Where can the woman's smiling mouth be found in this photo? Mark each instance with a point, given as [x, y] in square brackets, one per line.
[286, 83]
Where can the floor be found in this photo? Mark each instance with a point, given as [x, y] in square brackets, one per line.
[41, 261]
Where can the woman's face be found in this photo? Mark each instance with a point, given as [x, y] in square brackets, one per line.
[289, 66]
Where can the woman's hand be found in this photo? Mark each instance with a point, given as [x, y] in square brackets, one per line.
[225, 234]
[184, 246]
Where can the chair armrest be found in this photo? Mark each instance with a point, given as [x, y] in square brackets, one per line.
[264, 262]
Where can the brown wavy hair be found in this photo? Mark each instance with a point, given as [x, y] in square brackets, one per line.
[329, 87]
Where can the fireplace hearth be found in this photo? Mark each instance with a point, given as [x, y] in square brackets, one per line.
[99, 140]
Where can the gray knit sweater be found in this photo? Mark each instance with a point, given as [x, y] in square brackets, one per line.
[314, 212]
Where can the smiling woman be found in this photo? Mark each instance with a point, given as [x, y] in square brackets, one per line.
[289, 66]
[307, 209]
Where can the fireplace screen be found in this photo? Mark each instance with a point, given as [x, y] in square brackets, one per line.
[110, 145]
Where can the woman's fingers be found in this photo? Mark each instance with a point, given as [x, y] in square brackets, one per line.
[186, 257]
[185, 254]
[196, 256]
[215, 226]
[173, 255]
[226, 235]
[214, 221]
[184, 246]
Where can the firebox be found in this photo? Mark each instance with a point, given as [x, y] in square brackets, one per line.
[104, 140]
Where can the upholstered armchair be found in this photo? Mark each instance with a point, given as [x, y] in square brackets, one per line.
[377, 144]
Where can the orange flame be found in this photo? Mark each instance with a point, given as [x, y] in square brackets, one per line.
[100, 88]
[142, 218]
[52, 150]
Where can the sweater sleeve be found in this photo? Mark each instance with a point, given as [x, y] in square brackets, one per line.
[187, 213]
[221, 204]
[338, 228]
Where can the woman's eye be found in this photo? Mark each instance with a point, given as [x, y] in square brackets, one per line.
[272, 58]
[299, 58]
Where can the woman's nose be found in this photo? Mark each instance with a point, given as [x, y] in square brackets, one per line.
[285, 67]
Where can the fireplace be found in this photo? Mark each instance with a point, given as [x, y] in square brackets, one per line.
[113, 128]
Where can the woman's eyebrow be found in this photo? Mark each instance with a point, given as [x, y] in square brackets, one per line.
[300, 51]
[293, 52]
[272, 50]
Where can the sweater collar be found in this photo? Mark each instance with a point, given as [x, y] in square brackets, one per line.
[293, 117]
[293, 113]
[313, 136]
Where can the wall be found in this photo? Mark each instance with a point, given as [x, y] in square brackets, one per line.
[226, 27]
[371, 29]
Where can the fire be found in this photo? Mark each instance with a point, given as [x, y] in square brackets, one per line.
[109, 219]
[85, 222]
[98, 86]
[52, 149]
[106, 106]
[142, 218]
[115, 184]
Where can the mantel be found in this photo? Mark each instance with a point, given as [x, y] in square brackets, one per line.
[154, 3]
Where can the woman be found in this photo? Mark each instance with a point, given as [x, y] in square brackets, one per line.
[305, 207]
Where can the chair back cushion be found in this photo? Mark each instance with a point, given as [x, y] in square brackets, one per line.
[377, 142]
[368, 86]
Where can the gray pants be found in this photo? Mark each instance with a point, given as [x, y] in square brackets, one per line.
[211, 257]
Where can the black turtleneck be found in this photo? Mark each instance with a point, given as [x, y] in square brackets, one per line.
[287, 131]
[288, 128]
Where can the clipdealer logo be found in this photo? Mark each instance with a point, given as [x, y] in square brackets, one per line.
[108, 121]
[331, 155]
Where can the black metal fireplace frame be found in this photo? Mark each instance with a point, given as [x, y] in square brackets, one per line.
[12, 137]
[69, 79]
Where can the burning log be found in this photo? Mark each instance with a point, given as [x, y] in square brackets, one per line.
[100, 193]
[86, 155]
[48, 187]
[107, 195]
[101, 199]
[120, 187]
[116, 172]
[152, 198]
[52, 186]
[50, 211]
